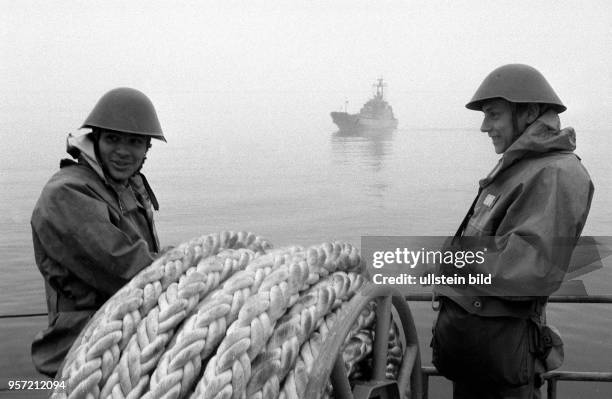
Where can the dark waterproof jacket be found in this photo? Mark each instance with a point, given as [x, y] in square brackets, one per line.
[533, 206]
[535, 203]
[90, 238]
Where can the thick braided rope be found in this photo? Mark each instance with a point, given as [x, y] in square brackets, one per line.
[282, 349]
[179, 366]
[355, 351]
[357, 356]
[395, 353]
[294, 386]
[228, 372]
[140, 356]
[95, 353]
[327, 259]
[167, 269]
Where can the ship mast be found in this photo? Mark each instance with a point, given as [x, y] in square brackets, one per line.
[379, 88]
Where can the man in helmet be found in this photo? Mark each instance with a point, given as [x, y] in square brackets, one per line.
[92, 227]
[492, 340]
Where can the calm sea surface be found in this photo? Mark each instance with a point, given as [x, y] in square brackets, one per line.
[262, 165]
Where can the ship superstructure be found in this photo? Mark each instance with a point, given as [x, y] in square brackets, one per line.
[376, 114]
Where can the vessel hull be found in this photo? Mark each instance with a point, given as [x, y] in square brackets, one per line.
[356, 122]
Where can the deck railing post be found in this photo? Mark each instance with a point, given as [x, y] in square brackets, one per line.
[551, 388]
[425, 386]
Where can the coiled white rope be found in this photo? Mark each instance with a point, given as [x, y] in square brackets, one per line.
[221, 316]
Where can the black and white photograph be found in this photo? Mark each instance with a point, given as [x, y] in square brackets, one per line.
[306, 199]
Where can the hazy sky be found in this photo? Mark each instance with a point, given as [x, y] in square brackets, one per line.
[432, 53]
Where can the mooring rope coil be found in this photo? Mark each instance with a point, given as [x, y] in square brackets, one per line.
[221, 316]
[103, 339]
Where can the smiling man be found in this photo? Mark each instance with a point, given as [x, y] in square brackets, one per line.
[492, 341]
[92, 227]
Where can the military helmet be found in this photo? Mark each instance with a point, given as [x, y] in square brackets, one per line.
[517, 83]
[125, 110]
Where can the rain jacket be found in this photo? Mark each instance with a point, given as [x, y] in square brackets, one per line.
[533, 205]
[90, 237]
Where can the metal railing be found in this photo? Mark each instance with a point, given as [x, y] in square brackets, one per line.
[551, 377]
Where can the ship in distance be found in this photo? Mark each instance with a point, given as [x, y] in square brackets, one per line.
[376, 114]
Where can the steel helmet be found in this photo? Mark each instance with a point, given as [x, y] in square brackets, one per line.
[126, 110]
[517, 83]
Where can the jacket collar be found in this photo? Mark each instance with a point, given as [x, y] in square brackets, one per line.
[82, 146]
[542, 136]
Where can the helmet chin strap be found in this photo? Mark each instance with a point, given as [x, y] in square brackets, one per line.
[515, 125]
[144, 158]
[141, 164]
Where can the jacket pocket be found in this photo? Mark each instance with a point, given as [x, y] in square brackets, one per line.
[549, 346]
[495, 351]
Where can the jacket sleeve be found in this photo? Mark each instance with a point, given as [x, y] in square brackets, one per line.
[75, 229]
[535, 240]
